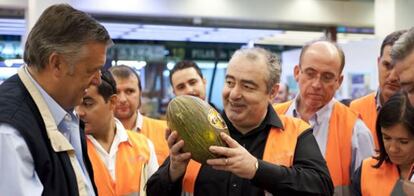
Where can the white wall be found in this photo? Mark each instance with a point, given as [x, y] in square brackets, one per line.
[20, 4]
[360, 57]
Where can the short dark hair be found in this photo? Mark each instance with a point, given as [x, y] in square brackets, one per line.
[391, 39]
[338, 48]
[107, 88]
[124, 72]
[64, 30]
[184, 65]
[397, 109]
[272, 61]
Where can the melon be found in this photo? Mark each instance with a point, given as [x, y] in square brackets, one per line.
[198, 124]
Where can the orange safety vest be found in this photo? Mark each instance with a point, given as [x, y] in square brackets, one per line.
[338, 153]
[131, 158]
[367, 108]
[378, 181]
[279, 149]
[155, 131]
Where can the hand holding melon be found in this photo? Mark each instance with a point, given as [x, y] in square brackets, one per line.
[198, 124]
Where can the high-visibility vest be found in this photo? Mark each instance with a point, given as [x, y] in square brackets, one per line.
[366, 107]
[378, 181]
[338, 154]
[280, 149]
[155, 131]
[131, 160]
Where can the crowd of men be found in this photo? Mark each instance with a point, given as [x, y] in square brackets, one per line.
[67, 127]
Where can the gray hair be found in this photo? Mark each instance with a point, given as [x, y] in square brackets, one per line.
[272, 61]
[403, 46]
[64, 30]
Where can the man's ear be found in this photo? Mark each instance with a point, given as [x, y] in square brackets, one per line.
[56, 64]
[340, 79]
[112, 100]
[296, 71]
[274, 91]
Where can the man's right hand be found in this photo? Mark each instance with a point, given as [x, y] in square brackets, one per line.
[178, 159]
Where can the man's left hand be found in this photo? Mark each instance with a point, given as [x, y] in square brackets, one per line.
[235, 158]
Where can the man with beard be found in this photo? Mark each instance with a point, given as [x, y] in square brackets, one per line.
[127, 110]
[369, 105]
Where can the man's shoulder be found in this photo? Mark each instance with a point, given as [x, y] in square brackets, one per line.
[290, 122]
[148, 120]
[362, 101]
[137, 138]
[341, 109]
[13, 97]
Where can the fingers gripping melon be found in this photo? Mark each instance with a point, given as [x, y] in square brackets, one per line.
[198, 124]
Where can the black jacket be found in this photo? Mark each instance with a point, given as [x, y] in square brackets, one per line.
[54, 169]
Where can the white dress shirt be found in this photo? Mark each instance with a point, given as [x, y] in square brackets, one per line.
[16, 161]
[109, 158]
[362, 142]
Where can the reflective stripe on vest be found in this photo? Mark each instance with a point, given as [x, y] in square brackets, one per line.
[58, 142]
[155, 131]
[338, 153]
[280, 148]
[131, 159]
[366, 107]
[378, 181]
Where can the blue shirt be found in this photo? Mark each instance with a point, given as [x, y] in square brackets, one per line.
[16, 161]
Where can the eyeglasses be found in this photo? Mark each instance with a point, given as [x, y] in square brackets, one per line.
[325, 77]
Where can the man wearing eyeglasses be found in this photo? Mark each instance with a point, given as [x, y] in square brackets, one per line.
[343, 138]
[122, 159]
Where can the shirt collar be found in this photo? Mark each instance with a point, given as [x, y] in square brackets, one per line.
[321, 115]
[378, 100]
[121, 132]
[139, 121]
[271, 119]
[56, 110]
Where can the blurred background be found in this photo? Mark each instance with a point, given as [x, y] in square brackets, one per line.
[152, 35]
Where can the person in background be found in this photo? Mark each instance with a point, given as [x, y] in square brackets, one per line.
[381, 174]
[127, 110]
[42, 144]
[123, 160]
[270, 153]
[186, 78]
[342, 137]
[283, 94]
[368, 105]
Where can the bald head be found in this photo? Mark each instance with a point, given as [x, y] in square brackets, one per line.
[324, 48]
